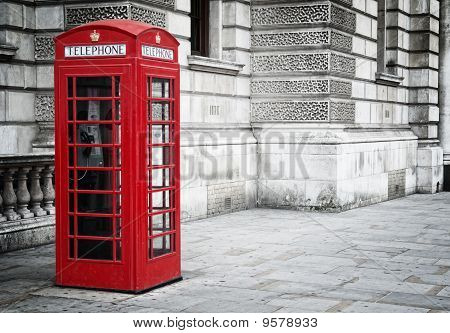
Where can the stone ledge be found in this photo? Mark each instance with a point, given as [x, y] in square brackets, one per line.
[388, 79]
[26, 233]
[210, 65]
[7, 51]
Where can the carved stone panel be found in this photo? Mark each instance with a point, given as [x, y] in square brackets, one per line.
[291, 62]
[343, 18]
[44, 47]
[317, 13]
[304, 14]
[304, 62]
[148, 16]
[77, 15]
[290, 87]
[308, 87]
[342, 112]
[341, 41]
[44, 108]
[303, 38]
[82, 15]
[340, 88]
[291, 39]
[342, 64]
[290, 111]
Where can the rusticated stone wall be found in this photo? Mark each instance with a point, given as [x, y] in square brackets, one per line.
[292, 43]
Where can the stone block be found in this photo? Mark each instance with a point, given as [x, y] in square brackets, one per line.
[363, 25]
[3, 107]
[281, 193]
[44, 74]
[194, 203]
[423, 114]
[11, 14]
[429, 157]
[183, 5]
[20, 106]
[23, 41]
[177, 23]
[50, 17]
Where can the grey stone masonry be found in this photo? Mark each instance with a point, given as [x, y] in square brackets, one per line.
[226, 198]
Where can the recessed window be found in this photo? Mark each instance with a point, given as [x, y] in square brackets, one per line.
[199, 27]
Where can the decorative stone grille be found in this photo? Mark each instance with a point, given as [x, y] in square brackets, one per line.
[44, 48]
[290, 111]
[291, 62]
[44, 108]
[342, 112]
[81, 15]
[291, 14]
[304, 14]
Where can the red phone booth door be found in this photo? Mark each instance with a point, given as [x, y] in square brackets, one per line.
[95, 232]
[162, 248]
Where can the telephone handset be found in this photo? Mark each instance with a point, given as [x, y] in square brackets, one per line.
[90, 134]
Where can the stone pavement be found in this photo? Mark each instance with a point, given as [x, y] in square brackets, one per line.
[390, 257]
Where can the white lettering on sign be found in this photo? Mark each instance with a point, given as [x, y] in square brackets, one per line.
[106, 50]
[157, 52]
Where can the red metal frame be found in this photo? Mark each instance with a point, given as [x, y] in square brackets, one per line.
[132, 266]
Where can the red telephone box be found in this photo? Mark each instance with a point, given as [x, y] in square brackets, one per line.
[117, 156]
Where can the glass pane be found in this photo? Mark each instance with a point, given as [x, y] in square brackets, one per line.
[160, 133]
[161, 245]
[118, 227]
[162, 200]
[94, 86]
[95, 203]
[97, 134]
[117, 110]
[94, 110]
[71, 202]
[159, 111]
[160, 223]
[70, 86]
[118, 250]
[70, 110]
[70, 133]
[97, 180]
[71, 225]
[94, 226]
[70, 156]
[160, 178]
[94, 249]
[117, 86]
[161, 155]
[95, 156]
[71, 248]
[160, 88]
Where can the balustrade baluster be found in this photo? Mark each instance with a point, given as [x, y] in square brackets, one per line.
[9, 196]
[22, 193]
[48, 189]
[2, 218]
[36, 193]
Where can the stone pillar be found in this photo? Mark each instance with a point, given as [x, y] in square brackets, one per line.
[444, 87]
[423, 92]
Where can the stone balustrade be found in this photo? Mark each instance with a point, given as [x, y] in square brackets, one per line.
[26, 186]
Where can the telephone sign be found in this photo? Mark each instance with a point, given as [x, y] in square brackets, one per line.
[117, 156]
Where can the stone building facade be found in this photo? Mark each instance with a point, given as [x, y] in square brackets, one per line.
[324, 105]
